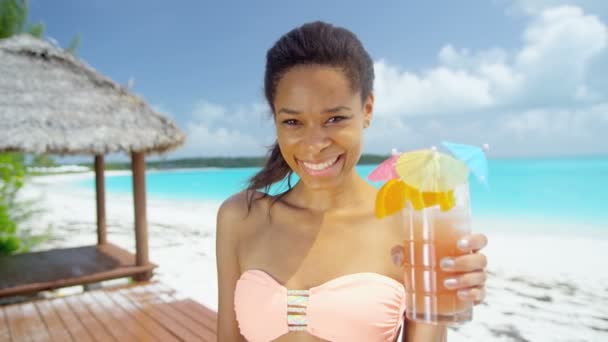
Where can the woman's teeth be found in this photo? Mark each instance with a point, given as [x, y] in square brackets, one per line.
[320, 166]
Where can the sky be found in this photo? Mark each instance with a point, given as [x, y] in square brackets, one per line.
[528, 77]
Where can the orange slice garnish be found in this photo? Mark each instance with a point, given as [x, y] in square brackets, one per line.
[395, 198]
[447, 200]
[393, 195]
[430, 198]
[426, 199]
[390, 198]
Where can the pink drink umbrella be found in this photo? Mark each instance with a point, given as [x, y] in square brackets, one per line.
[386, 170]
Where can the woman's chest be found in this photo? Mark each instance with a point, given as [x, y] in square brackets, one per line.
[301, 253]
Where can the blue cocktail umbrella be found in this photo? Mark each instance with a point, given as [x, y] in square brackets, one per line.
[473, 156]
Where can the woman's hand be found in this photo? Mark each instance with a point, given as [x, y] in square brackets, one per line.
[469, 269]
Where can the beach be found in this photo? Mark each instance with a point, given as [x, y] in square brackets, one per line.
[540, 287]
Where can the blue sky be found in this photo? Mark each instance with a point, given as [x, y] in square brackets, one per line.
[526, 76]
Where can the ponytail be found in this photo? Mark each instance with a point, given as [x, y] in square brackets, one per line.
[275, 170]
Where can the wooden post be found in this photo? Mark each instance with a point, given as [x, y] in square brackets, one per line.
[138, 166]
[101, 200]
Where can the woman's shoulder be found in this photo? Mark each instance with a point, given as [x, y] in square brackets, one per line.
[240, 206]
[233, 218]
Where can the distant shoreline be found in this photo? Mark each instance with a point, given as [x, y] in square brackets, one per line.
[215, 162]
[243, 162]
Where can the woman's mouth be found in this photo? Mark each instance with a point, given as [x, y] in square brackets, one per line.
[324, 168]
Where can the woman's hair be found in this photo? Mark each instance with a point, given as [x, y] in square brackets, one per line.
[315, 43]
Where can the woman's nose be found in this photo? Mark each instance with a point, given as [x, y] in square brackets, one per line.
[316, 139]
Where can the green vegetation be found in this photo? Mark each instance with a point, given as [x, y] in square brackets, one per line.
[13, 15]
[16, 213]
[43, 160]
[13, 20]
[227, 162]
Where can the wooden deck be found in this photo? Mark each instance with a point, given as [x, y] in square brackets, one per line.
[143, 312]
[66, 267]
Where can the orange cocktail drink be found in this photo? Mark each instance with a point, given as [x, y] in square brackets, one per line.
[432, 232]
[431, 190]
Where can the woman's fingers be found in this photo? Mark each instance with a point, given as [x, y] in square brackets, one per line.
[464, 263]
[465, 281]
[470, 286]
[473, 242]
[475, 294]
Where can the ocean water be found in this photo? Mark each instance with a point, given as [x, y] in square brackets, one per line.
[552, 190]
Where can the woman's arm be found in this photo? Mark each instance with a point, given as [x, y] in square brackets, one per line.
[422, 332]
[229, 219]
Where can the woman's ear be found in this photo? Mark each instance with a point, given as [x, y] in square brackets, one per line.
[368, 110]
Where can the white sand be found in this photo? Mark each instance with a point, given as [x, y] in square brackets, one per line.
[540, 287]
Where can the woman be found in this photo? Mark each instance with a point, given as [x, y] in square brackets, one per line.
[320, 237]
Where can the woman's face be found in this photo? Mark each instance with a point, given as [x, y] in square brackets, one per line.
[319, 122]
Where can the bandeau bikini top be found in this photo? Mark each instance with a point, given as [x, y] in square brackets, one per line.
[359, 307]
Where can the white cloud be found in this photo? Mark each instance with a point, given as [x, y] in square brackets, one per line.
[566, 124]
[548, 92]
[217, 130]
[537, 99]
[537, 6]
[436, 91]
[559, 46]
[556, 131]
[528, 132]
[549, 69]
[380, 136]
[209, 112]
[219, 142]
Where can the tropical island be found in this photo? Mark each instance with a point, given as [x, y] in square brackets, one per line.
[224, 162]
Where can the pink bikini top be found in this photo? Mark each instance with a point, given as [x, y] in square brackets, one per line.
[359, 307]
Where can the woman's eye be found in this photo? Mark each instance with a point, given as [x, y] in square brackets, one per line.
[290, 122]
[335, 119]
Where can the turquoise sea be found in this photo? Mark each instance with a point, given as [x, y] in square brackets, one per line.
[556, 190]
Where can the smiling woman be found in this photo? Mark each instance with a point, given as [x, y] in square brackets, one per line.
[334, 59]
[313, 263]
[319, 124]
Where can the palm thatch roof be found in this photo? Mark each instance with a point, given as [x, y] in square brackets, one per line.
[51, 102]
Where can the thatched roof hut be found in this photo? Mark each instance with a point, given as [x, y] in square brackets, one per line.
[51, 102]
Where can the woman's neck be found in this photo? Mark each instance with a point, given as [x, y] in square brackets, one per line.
[351, 193]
